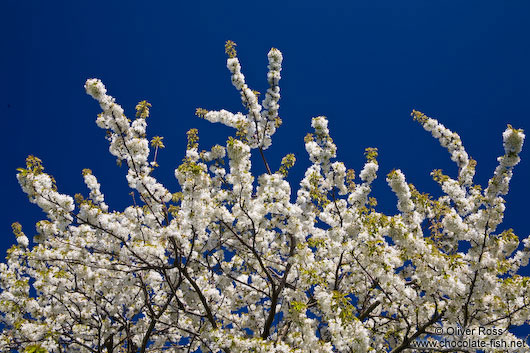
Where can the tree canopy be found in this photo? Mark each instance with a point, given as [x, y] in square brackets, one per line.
[234, 262]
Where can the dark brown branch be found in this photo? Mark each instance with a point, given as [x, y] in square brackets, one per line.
[265, 161]
[368, 310]
[475, 276]
[203, 300]
[276, 293]
[406, 342]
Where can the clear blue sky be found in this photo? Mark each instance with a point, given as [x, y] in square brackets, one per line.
[363, 64]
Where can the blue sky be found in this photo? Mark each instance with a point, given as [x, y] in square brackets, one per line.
[363, 64]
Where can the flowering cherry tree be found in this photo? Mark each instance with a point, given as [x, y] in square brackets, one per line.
[228, 264]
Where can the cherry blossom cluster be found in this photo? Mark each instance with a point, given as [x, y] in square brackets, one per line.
[261, 121]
